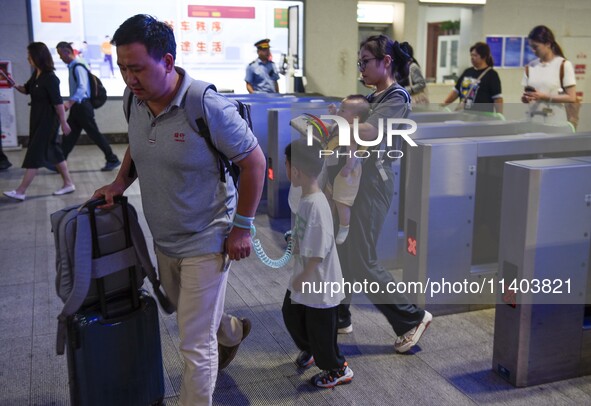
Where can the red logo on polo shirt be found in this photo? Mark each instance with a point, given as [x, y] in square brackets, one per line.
[179, 137]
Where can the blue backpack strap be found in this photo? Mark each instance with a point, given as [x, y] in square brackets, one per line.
[399, 90]
[407, 99]
[403, 92]
[85, 68]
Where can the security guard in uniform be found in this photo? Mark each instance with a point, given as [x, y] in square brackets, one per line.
[261, 74]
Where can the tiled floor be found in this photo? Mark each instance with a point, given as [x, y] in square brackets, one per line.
[452, 365]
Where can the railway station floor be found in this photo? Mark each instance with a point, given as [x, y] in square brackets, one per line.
[452, 365]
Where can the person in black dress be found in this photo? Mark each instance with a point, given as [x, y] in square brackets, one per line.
[47, 116]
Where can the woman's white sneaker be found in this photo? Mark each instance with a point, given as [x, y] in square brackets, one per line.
[13, 195]
[65, 190]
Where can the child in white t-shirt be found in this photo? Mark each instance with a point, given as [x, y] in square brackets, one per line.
[310, 305]
[346, 183]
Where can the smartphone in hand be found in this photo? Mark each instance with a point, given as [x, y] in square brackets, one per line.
[530, 89]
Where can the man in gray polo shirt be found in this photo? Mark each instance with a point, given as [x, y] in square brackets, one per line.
[197, 221]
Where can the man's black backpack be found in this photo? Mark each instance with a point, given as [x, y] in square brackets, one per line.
[98, 93]
[196, 117]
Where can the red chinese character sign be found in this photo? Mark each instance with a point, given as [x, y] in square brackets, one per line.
[216, 40]
[214, 37]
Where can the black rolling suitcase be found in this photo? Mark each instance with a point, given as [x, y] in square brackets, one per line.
[113, 339]
[118, 360]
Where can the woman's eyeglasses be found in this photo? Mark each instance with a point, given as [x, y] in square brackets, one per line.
[362, 63]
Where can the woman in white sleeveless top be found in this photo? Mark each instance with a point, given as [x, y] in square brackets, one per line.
[549, 80]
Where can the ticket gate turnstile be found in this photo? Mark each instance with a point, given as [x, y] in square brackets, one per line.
[447, 129]
[545, 227]
[255, 96]
[390, 246]
[394, 224]
[452, 210]
[441, 116]
[280, 134]
[259, 117]
[279, 127]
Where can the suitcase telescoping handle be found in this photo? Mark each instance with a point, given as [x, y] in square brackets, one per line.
[96, 253]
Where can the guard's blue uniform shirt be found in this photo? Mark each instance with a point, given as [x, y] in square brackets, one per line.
[262, 76]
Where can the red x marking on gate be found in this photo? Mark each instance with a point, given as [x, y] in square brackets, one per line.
[510, 296]
[412, 246]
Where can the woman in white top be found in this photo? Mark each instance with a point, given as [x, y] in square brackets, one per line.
[549, 81]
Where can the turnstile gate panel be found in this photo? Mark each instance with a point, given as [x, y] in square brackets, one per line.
[441, 227]
[393, 229]
[280, 135]
[279, 127]
[391, 242]
[463, 116]
[260, 118]
[454, 129]
[259, 108]
[545, 236]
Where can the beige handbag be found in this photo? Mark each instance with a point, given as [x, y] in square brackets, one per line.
[420, 98]
[572, 109]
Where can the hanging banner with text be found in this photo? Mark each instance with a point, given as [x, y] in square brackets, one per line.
[7, 113]
[215, 38]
